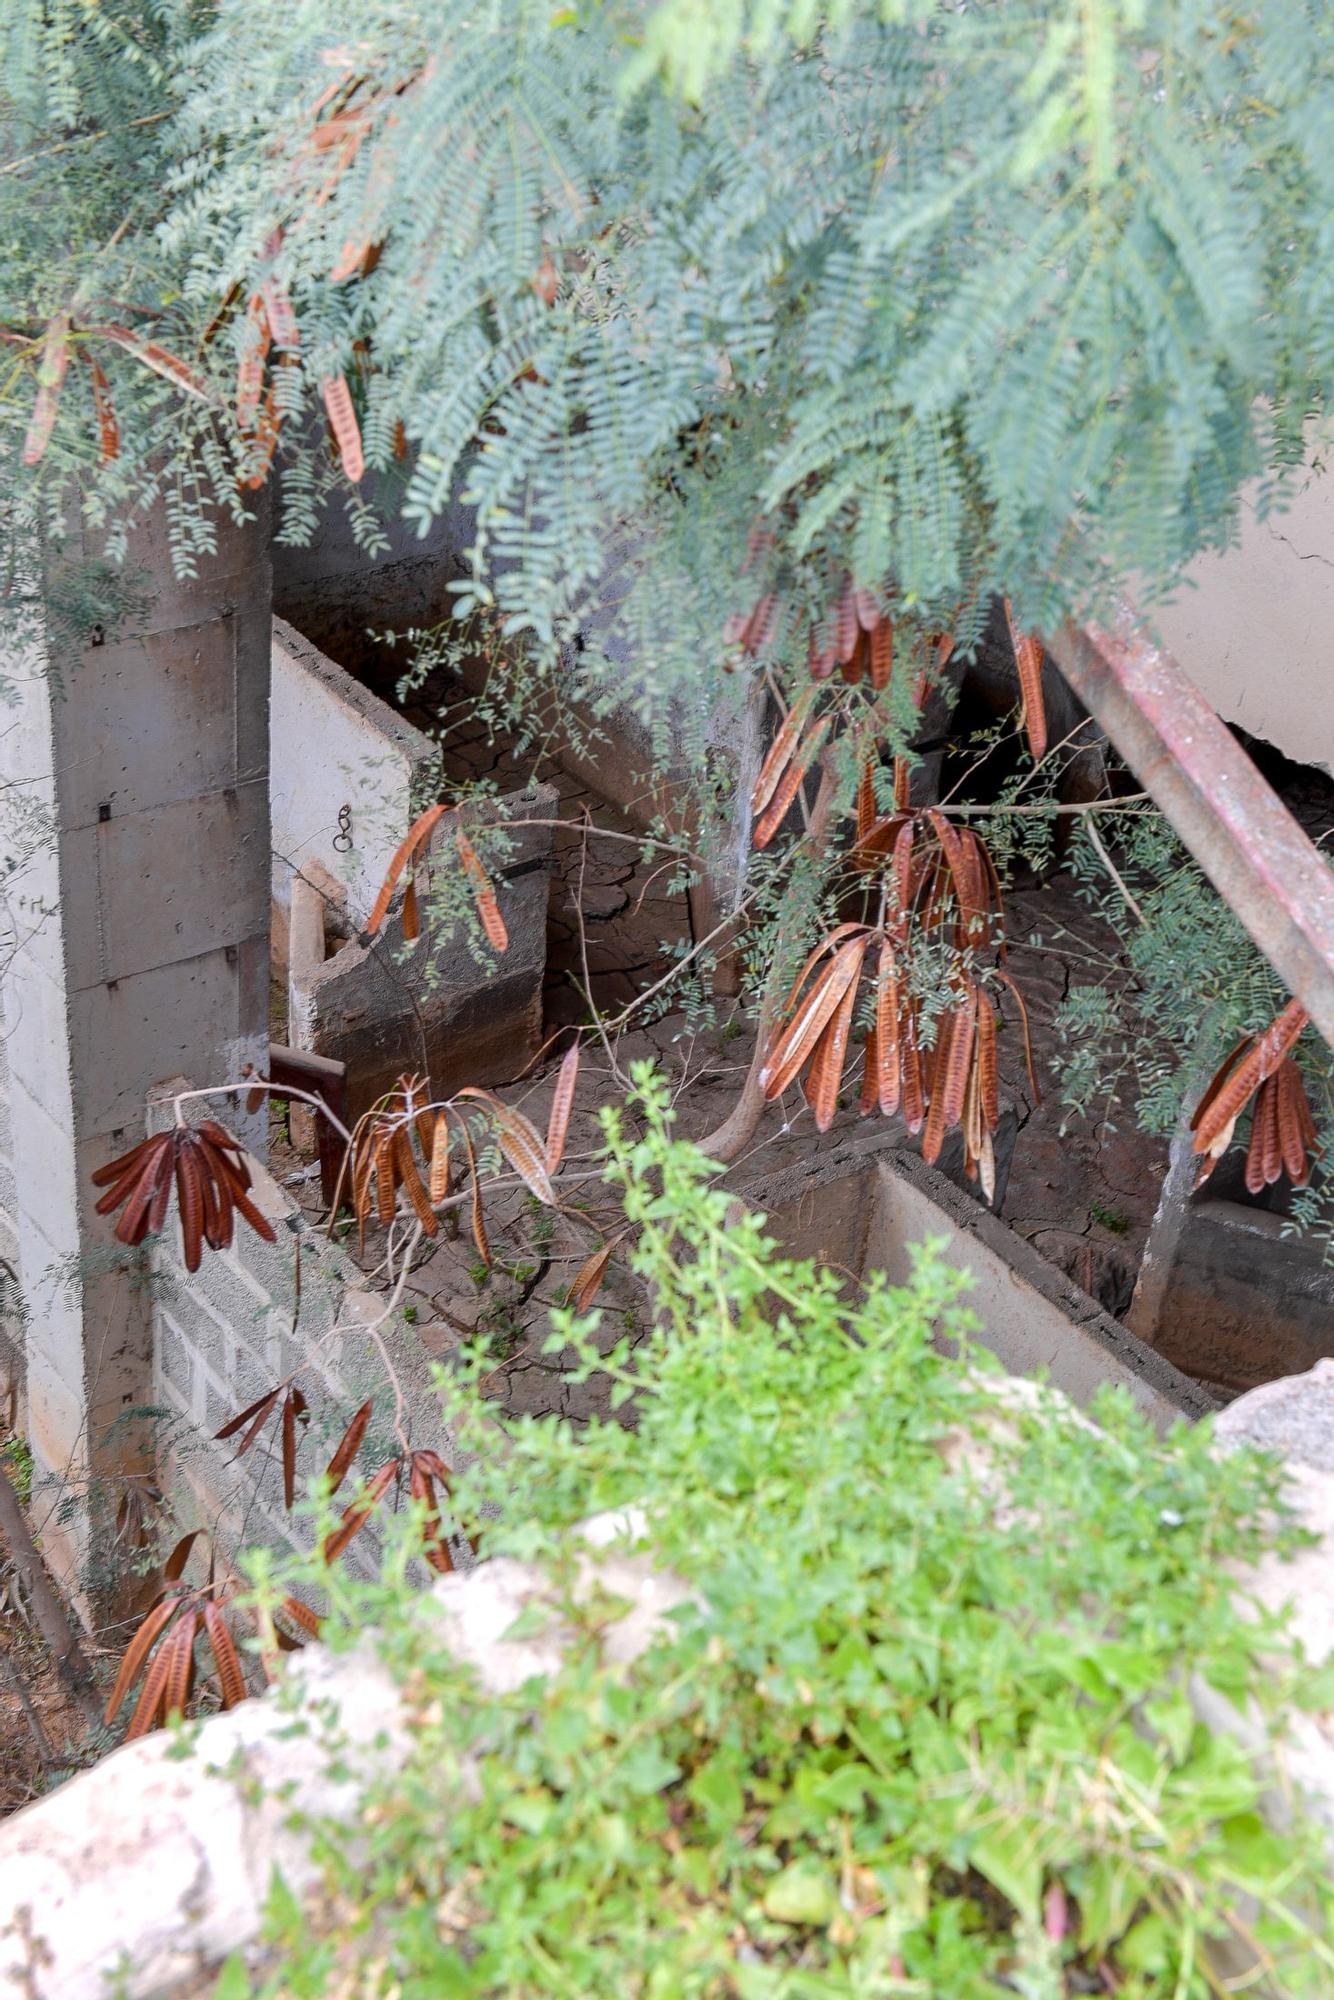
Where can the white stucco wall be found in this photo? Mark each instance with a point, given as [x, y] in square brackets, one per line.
[1256, 634]
[334, 744]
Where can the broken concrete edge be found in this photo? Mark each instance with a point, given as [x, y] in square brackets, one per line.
[1098, 1347]
[154, 1866]
[1125, 1353]
[332, 737]
[390, 1005]
[403, 735]
[1245, 1295]
[525, 814]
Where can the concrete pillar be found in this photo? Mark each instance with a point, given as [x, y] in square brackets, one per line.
[134, 762]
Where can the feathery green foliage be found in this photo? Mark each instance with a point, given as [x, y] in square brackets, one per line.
[923, 1727]
[961, 298]
[1196, 986]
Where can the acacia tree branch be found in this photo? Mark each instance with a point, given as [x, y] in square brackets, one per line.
[1115, 873]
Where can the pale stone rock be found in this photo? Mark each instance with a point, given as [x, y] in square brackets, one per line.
[153, 1866]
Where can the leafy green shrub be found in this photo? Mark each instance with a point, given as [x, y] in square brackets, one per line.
[924, 1729]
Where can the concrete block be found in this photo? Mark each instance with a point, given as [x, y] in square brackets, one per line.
[175, 1363]
[237, 567]
[336, 592]
[1247, 1299]
[304, 957]
[392, 1007]
[181, 744]
[37, 1033]
[26, 746]
[55, 1333]
[29, 863]
[244, 1377]
[57, 1427]
[154, 888]
[47, 1190]
[864, 1208]
[32, 896]
[219, 1308]
[252, 637]
[166, 1020]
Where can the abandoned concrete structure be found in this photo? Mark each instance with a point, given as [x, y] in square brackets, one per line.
[200, 811]
[139, 927]
[209, 796]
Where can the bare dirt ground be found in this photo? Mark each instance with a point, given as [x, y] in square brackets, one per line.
[40, 1727]
[44, 1732]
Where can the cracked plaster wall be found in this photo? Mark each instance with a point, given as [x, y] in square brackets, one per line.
[1256, 633]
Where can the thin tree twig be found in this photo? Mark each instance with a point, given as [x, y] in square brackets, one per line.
[83, 139]
[40, 1738]
[583, 954]
[1123, 804]
[1115, 873]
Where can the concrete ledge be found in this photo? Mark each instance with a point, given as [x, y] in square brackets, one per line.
[862, 1206]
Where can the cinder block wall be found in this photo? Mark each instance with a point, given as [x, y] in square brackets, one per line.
[226, 1334]
[864, 1206]
[135, 757]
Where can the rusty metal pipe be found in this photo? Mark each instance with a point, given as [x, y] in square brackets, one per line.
[1240, 832]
